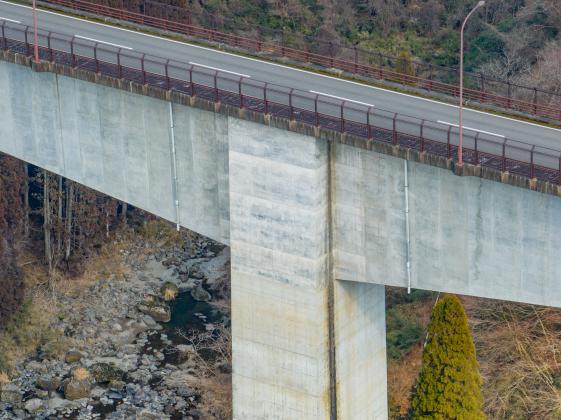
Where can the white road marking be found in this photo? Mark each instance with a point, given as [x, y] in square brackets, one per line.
[288, 68]
[342, 99]
[222, 70]
[103, 42]
[471, 129]
[10, 20]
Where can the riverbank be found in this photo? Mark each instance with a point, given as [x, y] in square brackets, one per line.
[146, 338]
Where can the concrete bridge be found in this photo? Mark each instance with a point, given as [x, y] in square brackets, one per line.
[318, 221]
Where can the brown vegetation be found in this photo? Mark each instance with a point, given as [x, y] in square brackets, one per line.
[519, 351]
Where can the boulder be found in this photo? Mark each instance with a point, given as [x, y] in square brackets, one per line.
[10, 393]
[75, 389]
[73, 356]
[157, 309]
[200, 294]
[48, 383]
[105, 373]
[149, 321]
[33, 405]
[78, 385]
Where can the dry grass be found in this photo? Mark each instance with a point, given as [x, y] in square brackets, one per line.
[4, 379]
[31, 328]
[80, 374]
[519, 351]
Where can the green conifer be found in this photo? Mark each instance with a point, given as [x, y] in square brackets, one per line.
[449, 383]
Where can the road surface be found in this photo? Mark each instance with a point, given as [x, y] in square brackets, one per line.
[492, 127]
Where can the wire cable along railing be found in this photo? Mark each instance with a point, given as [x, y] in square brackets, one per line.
[374, 124]
[438, 79]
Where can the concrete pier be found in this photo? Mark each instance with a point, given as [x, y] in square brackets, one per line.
[316, 227]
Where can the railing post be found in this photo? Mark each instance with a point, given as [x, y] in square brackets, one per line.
[532, 169]
[49, 47]
[240, 91]
[422, 136]
[343, 116]
[119, 67]
[191, 81]
[559, 169]
[368, 127]
[142, 68]
[503, 169]
[448, 146]
[356, 59]
[26, 43]
[316, 110]
[167, 75]
[394, 136]
[73, 56]
[4, 43]
[290, 104]
[535, 100]
[509, 85]
[265, 98]
[216, 86]
[95, 58]
[476, 150]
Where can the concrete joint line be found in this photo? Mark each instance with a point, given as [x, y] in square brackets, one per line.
[331, 286]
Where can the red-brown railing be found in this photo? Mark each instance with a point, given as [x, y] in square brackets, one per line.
[481, 95]
[371, 123]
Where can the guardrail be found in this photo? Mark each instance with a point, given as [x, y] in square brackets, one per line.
[373, 124]
[481, 95]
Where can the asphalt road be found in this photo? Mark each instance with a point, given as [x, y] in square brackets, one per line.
[493, 128]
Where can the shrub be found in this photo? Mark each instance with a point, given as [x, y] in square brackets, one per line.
[402, 333]
[11, 283]
[449, 383]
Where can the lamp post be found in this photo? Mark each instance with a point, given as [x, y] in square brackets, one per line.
[460, 129]
[35, 37]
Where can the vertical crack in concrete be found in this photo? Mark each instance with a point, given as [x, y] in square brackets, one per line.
[331, 287]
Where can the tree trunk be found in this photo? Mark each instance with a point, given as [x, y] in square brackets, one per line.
[59, 230]
[25, 200]
[47, 223]
[68, 227]
[124, 208]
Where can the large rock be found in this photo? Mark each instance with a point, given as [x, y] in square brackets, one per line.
[157, 309]
[48, 383]
[10, 393]
[200, 294]
[79, 385]
[73, 356]
[105, 373]
[33, 405]
[75, 389]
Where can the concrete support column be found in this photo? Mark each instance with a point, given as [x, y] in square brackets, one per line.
[360, 349]
[279, 249]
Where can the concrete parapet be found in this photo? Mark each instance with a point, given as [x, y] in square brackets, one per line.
[286, 124]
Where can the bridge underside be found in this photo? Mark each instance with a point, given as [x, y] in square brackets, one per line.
[316, 229]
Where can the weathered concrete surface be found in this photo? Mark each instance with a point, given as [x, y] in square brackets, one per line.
[119, 143]
[279, 249]
[468, 235]
[360, 349]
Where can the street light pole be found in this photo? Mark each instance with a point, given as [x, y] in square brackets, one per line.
[460, 129]
[35, 36]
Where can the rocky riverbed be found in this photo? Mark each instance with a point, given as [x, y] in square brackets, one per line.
[137, 344]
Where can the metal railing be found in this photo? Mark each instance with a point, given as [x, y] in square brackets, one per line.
[373, 124]
[482, 89]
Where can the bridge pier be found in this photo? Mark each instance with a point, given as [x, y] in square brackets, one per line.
[304, 347]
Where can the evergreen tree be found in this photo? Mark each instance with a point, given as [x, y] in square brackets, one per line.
[449, 383]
